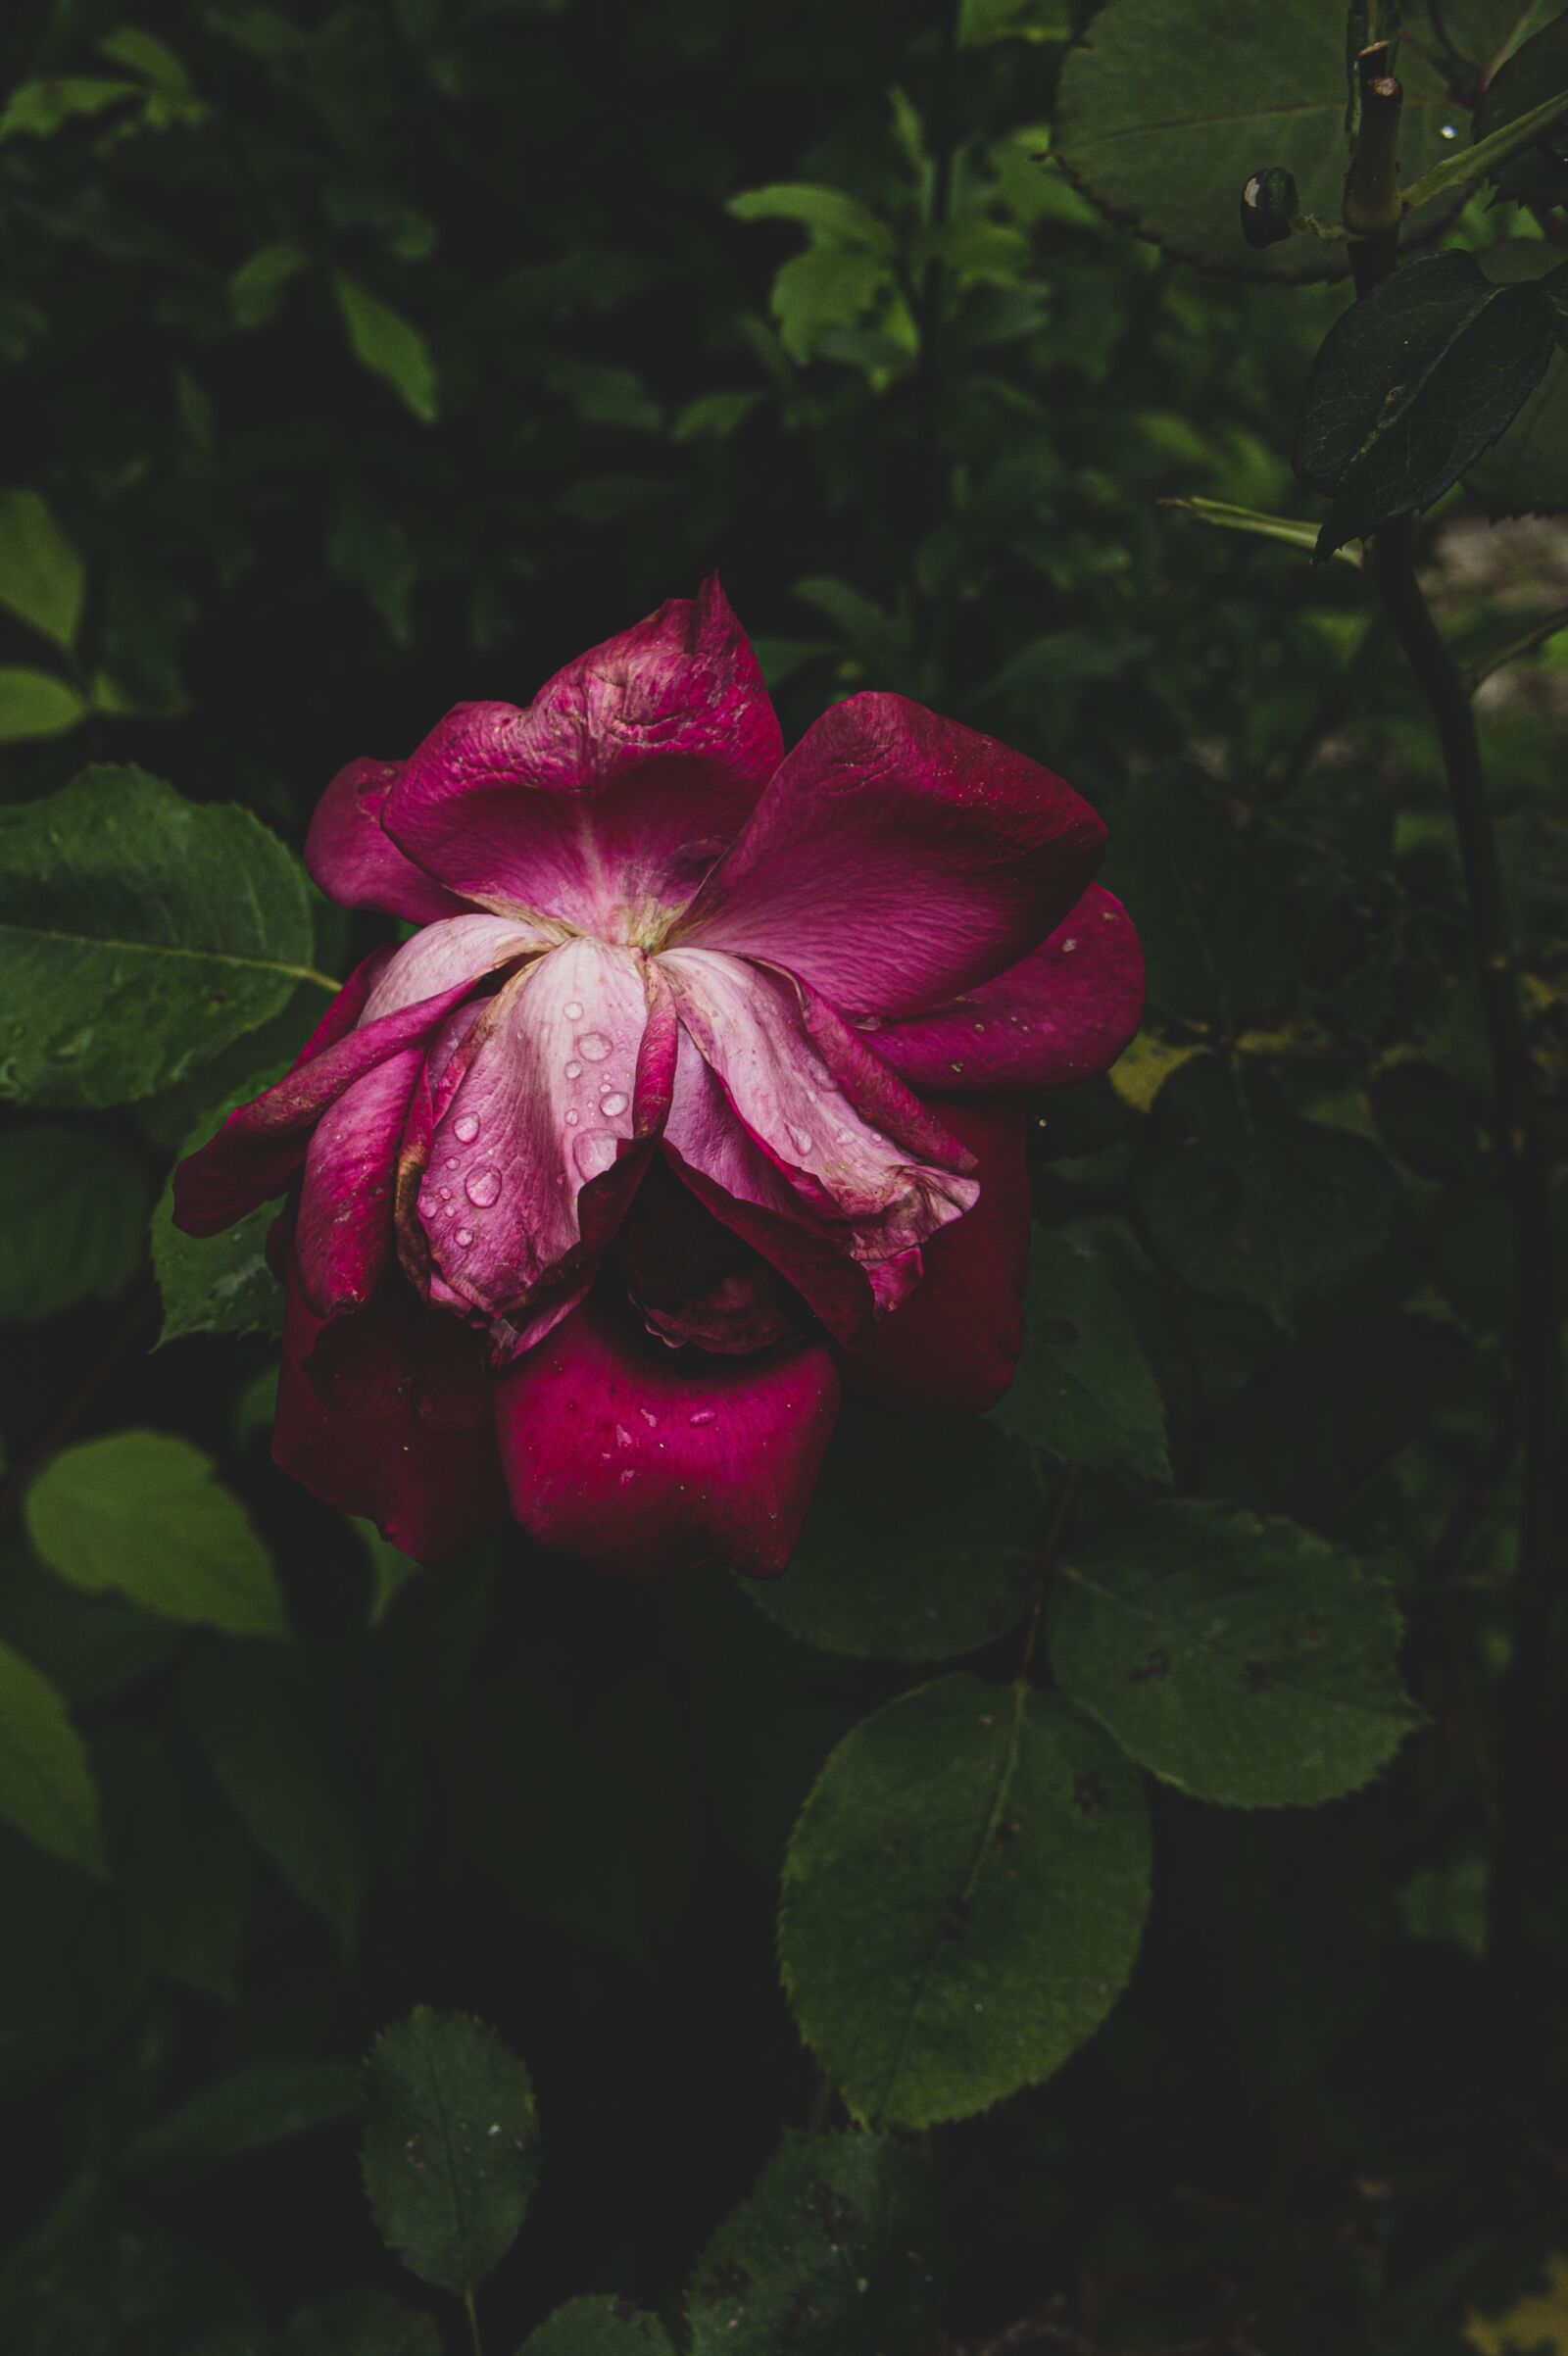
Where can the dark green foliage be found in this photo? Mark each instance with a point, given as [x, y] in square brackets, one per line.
[367, 357]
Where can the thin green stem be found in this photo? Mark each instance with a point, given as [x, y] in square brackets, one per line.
[310, 973]
[473, 2314]
[1525, 644]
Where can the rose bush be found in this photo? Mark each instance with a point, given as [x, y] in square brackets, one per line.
[695, 1096]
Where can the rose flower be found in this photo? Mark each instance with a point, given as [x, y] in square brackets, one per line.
[694, 1097]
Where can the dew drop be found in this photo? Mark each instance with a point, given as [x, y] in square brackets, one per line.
[594, 1045]
[483, 1187]
[452, 1161]
[595, 1152]
[427, 1206]
[445, 1193]
[1448, 132]
[466, 1129]
[465, 1237]
[627, 1477]
[575, 1071]
[613, 1105]
[703, 1415]
[572, 1009]
[801, 1139]
[1067, 948]
[572, 1120]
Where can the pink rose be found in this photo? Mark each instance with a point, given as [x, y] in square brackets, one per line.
[694, 1096]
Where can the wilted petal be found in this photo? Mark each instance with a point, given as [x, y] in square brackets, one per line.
[897, 859]
[1064, 1013]
[649, 1459]
[460, 948]
[845, 1134]
[262, 1145]
[608, 799]
[358, 865]
[387, 1414]
[566, 1080]
[951, 1344]
[343, 1239]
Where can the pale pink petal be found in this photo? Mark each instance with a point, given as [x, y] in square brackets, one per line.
[897, 859]
[461, 948]
[608, 798]
[1064, 1013]
[845, 1134]
[565, 1076]
[652, 1459]
[343, 1235]
[359, 866]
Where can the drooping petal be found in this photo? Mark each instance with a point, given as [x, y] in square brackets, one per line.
[845, 1134]
[357, 864]
[566, 1084]
[343, 1238]
[262, 1145]
[694, 1280]
[398, 999]
[897, 859]
[951, 1344]
[1064, 1013]
[606, 800]
[387, 1414]
[653, 1459]
[460, 948]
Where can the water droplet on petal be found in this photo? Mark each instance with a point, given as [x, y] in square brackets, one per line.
[445, 1193]
[427, 1205]
[703, 1415]
[465, 1237]
[613, 1105]
[1067, 948]
[452, 1161]
[575, 1071]
[572, 1009]
[594, 1045]
[571, 1120]
[466, 1129]
[482, 1187]
[801, 1139]
[627, 1477]
[595, 1152]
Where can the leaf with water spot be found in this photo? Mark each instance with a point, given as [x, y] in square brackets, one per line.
[963, 1899]
[139, 935]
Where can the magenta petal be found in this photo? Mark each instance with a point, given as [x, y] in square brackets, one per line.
[557, 1090]
[845, 1134]
[343, 1235]
[460, 948]
[387, 1414]
[359, 866]
[897, 858]
[608, 798]
[1064, 1013]
[259, 1147]
[951, 1346]
[649, 1459]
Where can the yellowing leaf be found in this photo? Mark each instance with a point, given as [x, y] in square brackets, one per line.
[1538, 2324]
[1141, 1070]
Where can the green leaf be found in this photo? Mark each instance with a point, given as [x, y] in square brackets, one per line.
[185, 1863]
[599, 2326]
[963, 1899]
[38, 109]
[71, 1211]
[451, 2153]
[1084, 1391]
[262, 1731]
[1243, 1200]
[1245, 1661]
[41, 575]
[821, 289]
[139, 935]
[1167, 108]
[143, 53]
[91, 1647]
[46, 1785]
[714, 417]
[825, 2257]
[1526, 472]
[1538, 71]
[250, 2110]
[1413, 383]
[33, 703]
[832, 216]
[256, 290]
[912, 1554]
[390, 345]
[217, 1284]
[144, 1515]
